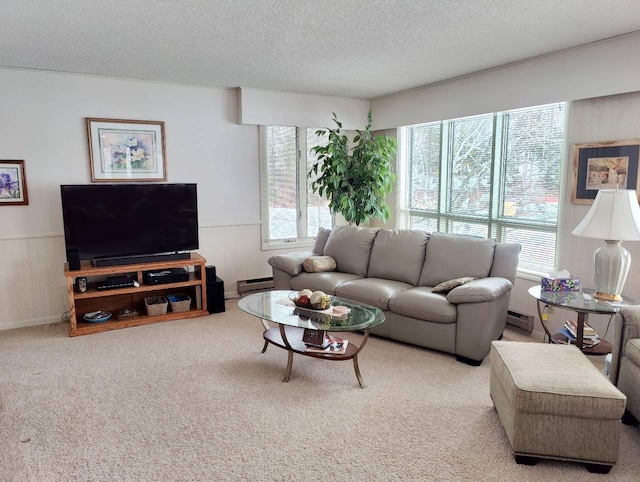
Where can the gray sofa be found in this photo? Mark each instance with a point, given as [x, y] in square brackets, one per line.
[396, 271]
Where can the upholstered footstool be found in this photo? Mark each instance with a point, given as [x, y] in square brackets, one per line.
[554, 403]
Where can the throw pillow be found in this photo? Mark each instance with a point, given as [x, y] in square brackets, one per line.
[315, 264]
[447, 286]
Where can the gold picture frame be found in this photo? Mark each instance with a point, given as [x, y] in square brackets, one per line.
[603, 165]
[126, 150]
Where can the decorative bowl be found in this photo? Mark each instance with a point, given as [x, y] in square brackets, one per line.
[97, 316]
[295, 297]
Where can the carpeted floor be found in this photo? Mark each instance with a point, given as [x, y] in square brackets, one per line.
[196, 400]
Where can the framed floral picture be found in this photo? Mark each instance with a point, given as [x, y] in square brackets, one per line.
[126, 150]
[603, 165]
[13, 184]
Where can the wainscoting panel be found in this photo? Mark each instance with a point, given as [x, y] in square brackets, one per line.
[31, 281]
[33, 288]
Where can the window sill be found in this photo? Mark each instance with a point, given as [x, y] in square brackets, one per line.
[288, 244]
[530, 274]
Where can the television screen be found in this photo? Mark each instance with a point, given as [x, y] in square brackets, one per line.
[103, 220]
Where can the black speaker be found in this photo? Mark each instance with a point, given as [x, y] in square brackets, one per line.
[215, 292]
[73, 257]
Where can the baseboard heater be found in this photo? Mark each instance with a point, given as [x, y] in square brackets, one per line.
[256, 284]
[520, 320]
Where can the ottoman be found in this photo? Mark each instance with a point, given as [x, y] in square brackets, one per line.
[554, 403]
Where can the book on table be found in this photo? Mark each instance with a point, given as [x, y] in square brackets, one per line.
[334, 345]
[587, 330]
[587, 342]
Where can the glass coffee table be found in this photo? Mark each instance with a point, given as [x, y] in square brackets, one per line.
[276, 307]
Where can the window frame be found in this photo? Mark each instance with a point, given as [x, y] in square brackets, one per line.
[302, 187]
[495, 222]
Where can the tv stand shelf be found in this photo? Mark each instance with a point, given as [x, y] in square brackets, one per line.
[117, 299]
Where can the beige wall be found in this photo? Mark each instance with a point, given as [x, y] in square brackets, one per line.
[42, 121]
[607, 118]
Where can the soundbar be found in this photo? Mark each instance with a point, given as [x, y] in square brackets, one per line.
[136, 259]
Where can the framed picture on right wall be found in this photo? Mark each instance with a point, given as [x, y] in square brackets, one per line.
[603, 165]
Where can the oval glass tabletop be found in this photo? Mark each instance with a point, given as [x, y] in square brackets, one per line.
[275, 306]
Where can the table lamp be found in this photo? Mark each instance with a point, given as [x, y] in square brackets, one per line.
[614, 217]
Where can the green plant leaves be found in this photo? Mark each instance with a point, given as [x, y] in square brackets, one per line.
[355, 180]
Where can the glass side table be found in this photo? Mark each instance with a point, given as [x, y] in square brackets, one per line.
[575, 301]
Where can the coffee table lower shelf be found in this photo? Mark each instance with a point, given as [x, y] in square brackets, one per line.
[290, 338]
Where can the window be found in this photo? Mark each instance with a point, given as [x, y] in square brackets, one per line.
[291, 212]
[494, 175]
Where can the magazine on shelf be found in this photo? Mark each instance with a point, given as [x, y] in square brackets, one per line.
[586, 342]
[587, 333]
[335, 345]
[588, 330]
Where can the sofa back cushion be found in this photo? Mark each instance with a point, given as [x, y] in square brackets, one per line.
[350, 246]
[398, 255]
[505, 260]
[452, 256]
[321, 240]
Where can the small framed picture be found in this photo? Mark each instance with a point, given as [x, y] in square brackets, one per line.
[13, 183]
[603, 165]
[126, 150]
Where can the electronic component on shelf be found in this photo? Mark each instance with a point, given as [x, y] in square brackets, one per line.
[169, 275]
[114, 282]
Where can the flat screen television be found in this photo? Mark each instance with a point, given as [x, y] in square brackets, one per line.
[122, 223]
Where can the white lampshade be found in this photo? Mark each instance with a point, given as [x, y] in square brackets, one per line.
[615, 214]
[614, 217]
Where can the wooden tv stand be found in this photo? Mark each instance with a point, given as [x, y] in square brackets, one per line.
[117, 299]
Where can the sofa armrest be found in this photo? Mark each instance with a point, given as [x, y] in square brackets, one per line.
[290, 263]
[480, 290]
[626, 327]
[482, 315]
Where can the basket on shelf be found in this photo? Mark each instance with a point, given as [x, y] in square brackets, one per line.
[156, 305]
[180, 302]
[128, 313]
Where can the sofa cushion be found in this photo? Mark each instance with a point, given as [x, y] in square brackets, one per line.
[321, 240]
[290, 263]
[350, 246]
[505, 261]
[632, 350]
[447, 286]
[480, 290]
[326, 281]
[398, 254]
[423, 304]
[452, 256]
[315, 264]
[372, 291]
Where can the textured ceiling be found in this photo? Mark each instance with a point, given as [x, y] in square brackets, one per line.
[352, 48]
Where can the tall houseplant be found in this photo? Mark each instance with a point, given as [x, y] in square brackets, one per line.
[355, 179]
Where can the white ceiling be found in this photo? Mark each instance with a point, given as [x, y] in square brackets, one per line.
[352, 48]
